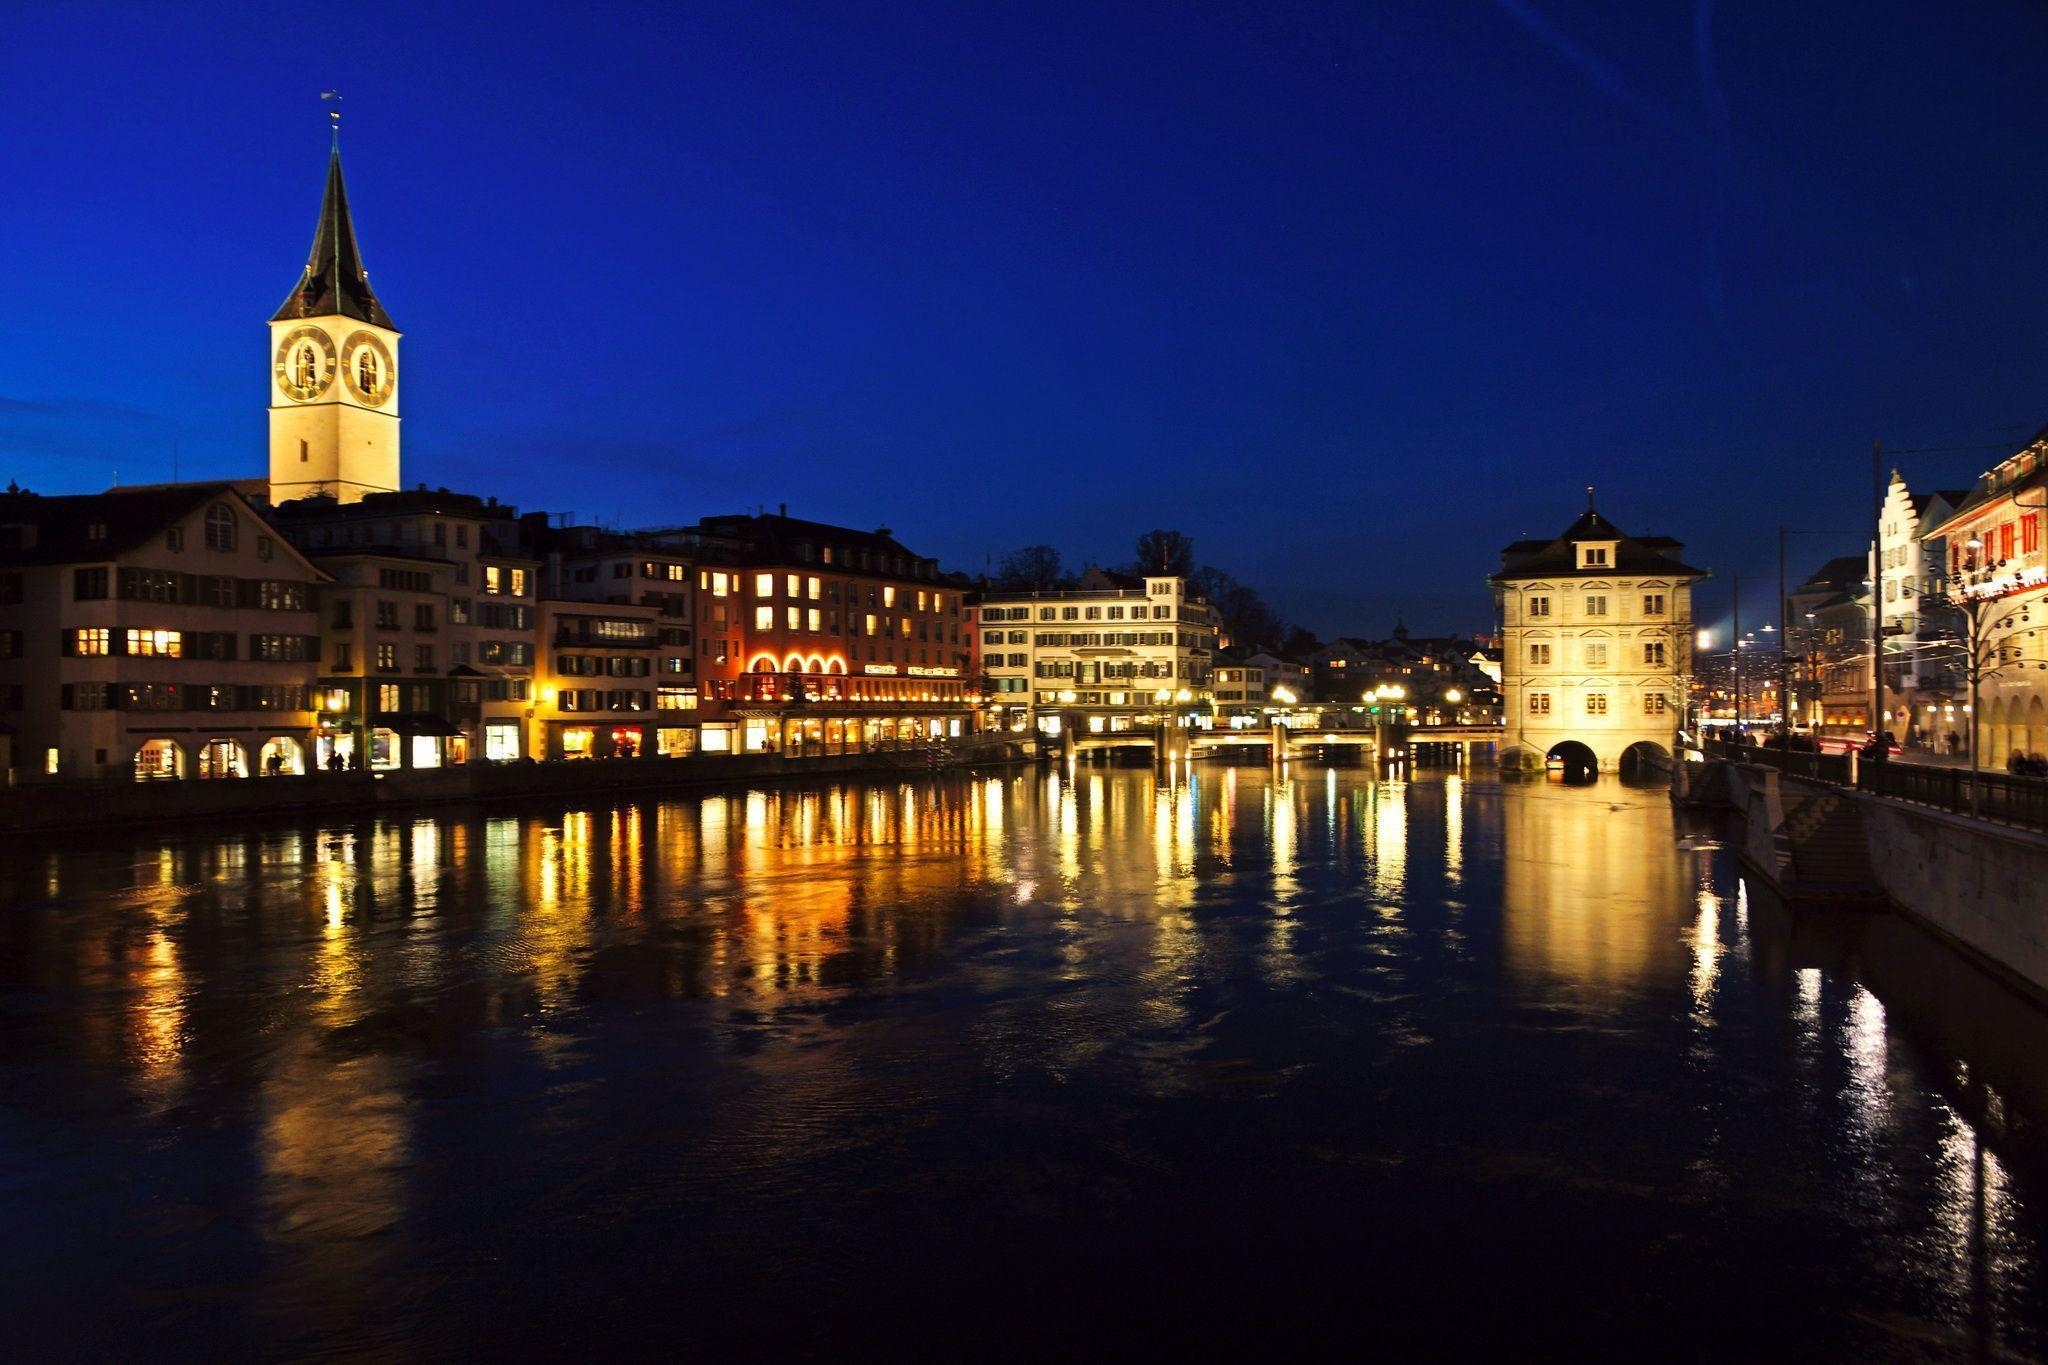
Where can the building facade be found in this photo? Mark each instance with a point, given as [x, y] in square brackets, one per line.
[1115, 653]
[1596, 641]
[155, 633]
[1996, 577]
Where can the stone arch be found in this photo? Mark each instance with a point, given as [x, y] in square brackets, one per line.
[1573, 760]
[159, 759]
[1644, 758]
[1520, 759]
[1991, 722]
[289, 753]
[223, 757]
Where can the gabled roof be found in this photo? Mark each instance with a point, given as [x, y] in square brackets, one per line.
[1633, 556]
[334, 281]
[62, 526]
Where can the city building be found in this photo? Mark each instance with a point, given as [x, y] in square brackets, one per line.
[1919, 627]
[1996, 577]
[814, 638]
[158, 633]
[1828, 646]
[1596, 647]
[1116, 652]
[1246, 685]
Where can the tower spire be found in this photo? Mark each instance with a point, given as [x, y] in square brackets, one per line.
[334, 282]
[333, 115]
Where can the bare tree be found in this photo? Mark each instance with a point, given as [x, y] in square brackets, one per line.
[1166, 552]
[1989, 644]
[1035, 568]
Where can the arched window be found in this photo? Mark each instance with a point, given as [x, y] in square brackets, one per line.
[307, 367]
[220, 527]
[366, 370]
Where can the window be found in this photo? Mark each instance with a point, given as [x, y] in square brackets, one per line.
[795, 617]
[1596, 605]
[764, 585]
[387, 696]
[422, 616]
[423, 658]
[1653, 604]
[675, 699]
[220, 527]
[344, 657]
[387, 658]
[1653, 703]
[93, 641]
[281, 648]
[1539, 606]
[1595, 557]
[494, 579]
[1539, 703]
[1596, 654]
[1596, 703]
[88, 585]
[1539, 656]
[813, 619]
[387, 616]
[165, 644]
[174, 539]
[458, 611]
[764, 618]
[1653, 653]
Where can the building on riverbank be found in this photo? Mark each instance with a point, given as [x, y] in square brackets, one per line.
[1995, 579]
[1596, 640]
[817, 638]
[159, 633]
[1117, 652]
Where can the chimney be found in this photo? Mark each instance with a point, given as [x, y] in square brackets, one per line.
[781, 509]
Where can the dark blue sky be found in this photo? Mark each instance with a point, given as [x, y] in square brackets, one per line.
[1353, 297]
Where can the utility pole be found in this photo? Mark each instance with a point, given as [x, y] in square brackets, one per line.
[1784, 652]
[1735, 652]
[1876, 587]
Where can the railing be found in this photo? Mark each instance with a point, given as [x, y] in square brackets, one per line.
[1990, 796]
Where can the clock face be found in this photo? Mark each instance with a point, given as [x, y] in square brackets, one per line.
[367, 366]
[305, 363]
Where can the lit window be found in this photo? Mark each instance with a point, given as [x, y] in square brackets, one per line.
[166, 644]
[494, 581]
[790, 581]
[815, 619]
[888, 597]
[1539, 703]
[795, 618]
[764, 618]
[812, 589]
[764, 585]
[89, 641]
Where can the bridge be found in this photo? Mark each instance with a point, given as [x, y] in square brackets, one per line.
[1285, 740]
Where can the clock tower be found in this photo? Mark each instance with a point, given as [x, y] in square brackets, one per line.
[333, 370]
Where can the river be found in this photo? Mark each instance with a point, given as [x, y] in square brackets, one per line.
[1089, 1064]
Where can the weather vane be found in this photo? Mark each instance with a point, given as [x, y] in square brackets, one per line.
[334, 114]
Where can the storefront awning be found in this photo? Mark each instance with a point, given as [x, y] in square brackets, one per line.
[417, 723]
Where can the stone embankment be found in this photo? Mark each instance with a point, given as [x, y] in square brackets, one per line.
[61, 806]
[1977, 883]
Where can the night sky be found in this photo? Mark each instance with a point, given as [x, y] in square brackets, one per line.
[1353, 297]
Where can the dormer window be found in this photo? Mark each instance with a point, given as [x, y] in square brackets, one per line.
[1596, 554]
[220, 527]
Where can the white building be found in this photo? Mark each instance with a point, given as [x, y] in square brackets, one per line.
[1247, 686]
[1596, 646]
[1918, 671]
[1115, 653]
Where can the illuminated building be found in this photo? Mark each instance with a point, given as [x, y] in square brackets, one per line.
[163, 633]
[1996, 554]
[430, 622]
[1596, 646]
[1116, 652]
[596, 691]
[1245, 685]
[814, 638]
[1919, 674]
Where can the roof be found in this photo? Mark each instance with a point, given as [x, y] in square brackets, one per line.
[772, 539]
[131, 518]
[1557, 559]
[334, 281]
[1841, 572]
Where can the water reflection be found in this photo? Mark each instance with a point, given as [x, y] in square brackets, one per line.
[687, 1044]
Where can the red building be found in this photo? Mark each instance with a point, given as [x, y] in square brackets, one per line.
[815, 638]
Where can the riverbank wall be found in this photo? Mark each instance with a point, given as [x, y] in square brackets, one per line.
[1976, 883]
[55, 807]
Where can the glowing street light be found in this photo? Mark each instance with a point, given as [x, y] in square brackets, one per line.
[1284, 696]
